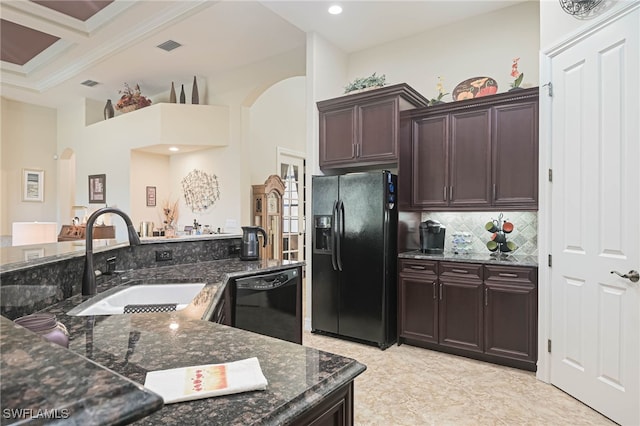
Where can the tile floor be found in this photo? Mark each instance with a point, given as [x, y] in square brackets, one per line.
[406, 385]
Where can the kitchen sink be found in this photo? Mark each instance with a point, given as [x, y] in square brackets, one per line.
[142, 298]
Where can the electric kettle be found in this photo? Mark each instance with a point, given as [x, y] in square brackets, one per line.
[250, 243]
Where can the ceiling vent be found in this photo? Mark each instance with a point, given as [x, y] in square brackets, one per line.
[89, 83]
[169, 45]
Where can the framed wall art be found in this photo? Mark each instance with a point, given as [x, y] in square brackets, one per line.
[98, 189]
[33, 185]
[151, 196]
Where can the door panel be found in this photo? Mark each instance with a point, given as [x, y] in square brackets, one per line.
[430, 162]
[470, 159]
[595, 197]
[361, 283]
[324, 279]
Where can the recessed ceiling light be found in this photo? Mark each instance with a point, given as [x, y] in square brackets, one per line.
[174, 149]
[335, 9]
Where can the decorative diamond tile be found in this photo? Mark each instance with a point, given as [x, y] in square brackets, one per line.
[525, 233]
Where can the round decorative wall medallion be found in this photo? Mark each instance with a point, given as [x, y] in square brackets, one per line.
[579, 8]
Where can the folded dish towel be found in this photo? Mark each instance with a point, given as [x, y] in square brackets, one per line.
[204, 381]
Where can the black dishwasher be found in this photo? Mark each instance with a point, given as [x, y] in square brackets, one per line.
[270, 304]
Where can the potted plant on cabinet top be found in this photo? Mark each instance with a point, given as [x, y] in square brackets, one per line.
[441, 94]
[365, 83]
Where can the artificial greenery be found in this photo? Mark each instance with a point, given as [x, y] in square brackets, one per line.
[364, 82]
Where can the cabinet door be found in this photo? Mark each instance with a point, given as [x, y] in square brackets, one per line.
[511, 312]
[337, 136]
[470, 176]
[377, 135]
[430, 162]
[515, 155]
[418, 300]
[461, 306]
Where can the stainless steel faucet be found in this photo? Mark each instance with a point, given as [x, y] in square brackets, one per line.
[89, 274]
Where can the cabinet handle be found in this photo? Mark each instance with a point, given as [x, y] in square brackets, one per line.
[434, 290]
[444, 193]
[494, 192]
[358, 150]
[353, 150]
[460, 271]
[451, 193]
[486, 297]
[440, 291]
[507, 275]
[418, 267]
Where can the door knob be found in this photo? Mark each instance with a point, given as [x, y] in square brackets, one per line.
[632, 275]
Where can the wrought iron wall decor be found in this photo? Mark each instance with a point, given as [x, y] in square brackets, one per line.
[579, 8]
[201, 190]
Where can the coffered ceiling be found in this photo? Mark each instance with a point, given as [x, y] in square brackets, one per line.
[50, 47]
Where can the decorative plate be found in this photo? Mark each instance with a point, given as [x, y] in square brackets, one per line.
[474, 88]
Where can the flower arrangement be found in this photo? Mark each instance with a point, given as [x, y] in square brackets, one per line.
[362, 83]
[441, 94]
[170, 212]
[132, 99]
[516, 74]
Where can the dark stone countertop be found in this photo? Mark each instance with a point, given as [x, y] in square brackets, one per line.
[131, 345]
[43, 379]
[484, 258]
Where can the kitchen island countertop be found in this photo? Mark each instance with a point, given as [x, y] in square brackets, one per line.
[131, 345]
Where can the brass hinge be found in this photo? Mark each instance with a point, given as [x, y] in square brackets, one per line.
[550, 260]
[549, 345]
[550, 175]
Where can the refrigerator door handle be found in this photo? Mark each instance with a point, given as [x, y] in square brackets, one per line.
[334, 233]
[340, 233]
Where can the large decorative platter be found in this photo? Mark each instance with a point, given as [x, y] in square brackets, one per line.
[474, 88]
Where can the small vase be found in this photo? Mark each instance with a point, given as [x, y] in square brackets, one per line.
[183, 98]
[47, 326]
[195, 98]
[172, 94]
[108, 110]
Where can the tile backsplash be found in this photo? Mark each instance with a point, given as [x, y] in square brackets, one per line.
[524, 235]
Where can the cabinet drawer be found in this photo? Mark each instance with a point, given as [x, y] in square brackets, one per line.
[422, 267]
[510, 274]
[461, 270]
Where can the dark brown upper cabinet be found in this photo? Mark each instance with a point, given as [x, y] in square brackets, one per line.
[362, 129]
[474, 155]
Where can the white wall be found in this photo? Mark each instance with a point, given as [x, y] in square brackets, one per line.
[557, 25]
[276, 118]
[482, 46]
[222, 162]
[148, 170]
[28, 141]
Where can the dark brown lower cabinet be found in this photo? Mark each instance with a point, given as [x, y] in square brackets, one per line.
[510, 312]
[486, 312]
[461, 314]
[335, 410]
[418, 298]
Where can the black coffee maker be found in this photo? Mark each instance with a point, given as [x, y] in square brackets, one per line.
[432, 237]
[250, 243]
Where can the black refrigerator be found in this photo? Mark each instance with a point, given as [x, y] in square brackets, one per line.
[353, 282]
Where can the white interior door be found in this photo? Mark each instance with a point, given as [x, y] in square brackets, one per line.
[595, 156]
[291, 169]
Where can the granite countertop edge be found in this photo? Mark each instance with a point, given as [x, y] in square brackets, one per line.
[483, 258]
[314, 396]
